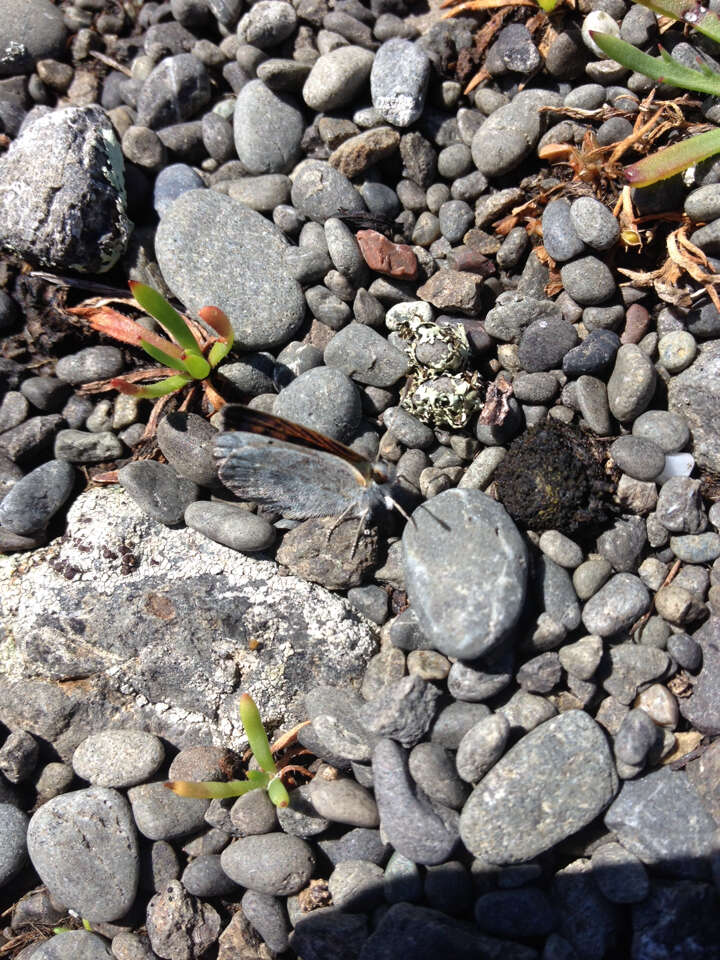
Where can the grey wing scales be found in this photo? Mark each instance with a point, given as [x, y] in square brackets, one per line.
[298, 483]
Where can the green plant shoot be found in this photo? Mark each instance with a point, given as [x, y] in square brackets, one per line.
[266, 778]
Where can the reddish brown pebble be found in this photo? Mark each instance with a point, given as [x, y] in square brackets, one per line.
[637, 324]
[384, 256]
[467, 258]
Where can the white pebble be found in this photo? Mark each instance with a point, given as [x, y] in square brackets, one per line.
[603, 23]
[676, 465]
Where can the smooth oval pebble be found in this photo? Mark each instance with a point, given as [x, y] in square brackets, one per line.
[74, 945]
[230, 525]
[84, 846]
[273, 863]
[118, 758]
[344, 801]
[13, 845]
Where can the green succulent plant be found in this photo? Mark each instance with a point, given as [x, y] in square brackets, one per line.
[268, 777]
[665, 69]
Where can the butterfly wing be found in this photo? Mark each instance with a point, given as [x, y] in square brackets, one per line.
[298, 482]
[235, 416]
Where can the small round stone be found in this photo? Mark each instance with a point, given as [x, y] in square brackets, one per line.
[677, 350]
[231, 525]
[668, 430]
[594, 223]
[13, 848]
[588, 281]
[560, 237]
[118, 758]
[399, 80]
[273, 863]
[92, 363]
[336, 77]
[344, 801]
[322, 399]
[616, 606]
[638, 457]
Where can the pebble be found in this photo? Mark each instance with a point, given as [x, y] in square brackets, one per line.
[685, 650]
[541, 804]
[507, 137]
[414, 829]
[267, 915]
[158, 490]
[230, 525]
[178, 925]
[273, 863]
[299, 818]
[367, 357]
[694, 394]
[336, 78]
[14, 409]
[204, 877]
[267, 24]
[592, 400]
[582, 658]
[242, 270]
[677, 350]
[320, 191]
[630, 666]
[616, 605]
[35, 498]
[252, 814]
[402, 881]
[657, 701]
[356, 885]
[118, 758]
[398, 81]
[482, 746]
[344, 801]
[45, 393]
[13, 850]
[560, 237]
[403, 709]
[561, 549]
[621, 876]
[640, 458]
[679, 507]
[668, 430]
[161, 814]
[696, 548]
[78, 446]
[436, 560]
[594, 356]
[433, 769]
[635, 738]
[594, 223]
[92, 363]
[177, 88]
[73, 945]
[477, 680]
[93, 830]
[588, 281]
[322, 399]
[632, 383]
[545, 343]
[661, 820]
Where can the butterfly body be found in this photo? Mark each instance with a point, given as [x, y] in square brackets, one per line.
[295, 470]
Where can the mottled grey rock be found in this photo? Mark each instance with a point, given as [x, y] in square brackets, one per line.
[594, 223]
[455, 535]
[320, 191]
[679, 506]
[632, 383]
[84, 847]
[31, 30]
[186, 441]
[273, 863]
[160, 814]
[622, 544]
[640, 458]
[694, 394]
[621, 876]
[82, 224]
[629, 666]
[588, 281]
[560, 237]
[404, 710]
[482, 746]
[239, 267]
[74, 945]
[79, 446]
[557, 779]
[178, 925]
[344, 801]
[507, 137]
[158, 489]
[398, 81]
[35, 498]
[662, 820]
[323, 399]
[702, 708]
[366, 356]
[268, 916]
[92, 363]
[267, 24]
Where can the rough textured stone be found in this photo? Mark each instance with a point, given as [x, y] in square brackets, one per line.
[695, 394]
[62, 192]
[556, 780]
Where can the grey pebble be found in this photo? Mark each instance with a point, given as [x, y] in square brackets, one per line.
[357, 844]
[14, 409]
[588, 281]
[268, 916]
[522, 827]
[696, 548]
[544, 344]
[630, 666]
[594, 223]
[356, 885]
[204, 877]
[632, 383]
[366, 356]
[78, 446]
[36, 498]
[186, 441]
[507, 137]
[668, 430]
[241, 270]
[454, 721]
[230, 525]
[337, 77]
[694, 394]
[92, 363]
[343, 801]
[84, 847]
[455, 624]
[616, 606]
[273, 863]
[621, 875]
[590, 576]
[300, 818]
[253, 813]
[177, 88]
[45, 393]
[262, 193]
[161, 814]
[319, 192]
[158, 490]
[560, 237]
[399, 80]
[640, 458]
[179, 925]
[433, 770]
[402, 881]
[118, 758]
[561, 549]
[413, 828]
[592, 401]
[482, 746]
[323, 399]
[74, 945]
[13, 846]
[480, 680]
[622, 543]
[267, 24]
[685, 650]
[173, 180]
[679, 506]
[404, 710]
[594, 356]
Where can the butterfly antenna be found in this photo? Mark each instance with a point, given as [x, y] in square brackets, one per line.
[401, 510]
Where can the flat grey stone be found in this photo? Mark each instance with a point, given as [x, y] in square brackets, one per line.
[323, 399]
[366, 356]
[662, 820]
[466, 572]
[269, 918]
[320, 191]
[35, 498]
[177, 89]
[616, 605]
[31, 30]
[186, 441]
[695, 394]
[160, 814]
[179, 925]
[230, 525]
[158, 489]
[344, 801]
[74, 945]
[238, 267]
[62, 191]
[337, 77]
[84, 847]
[79, 446]
[92, 363]
[554, 781]
[13, 844]
[398, 81]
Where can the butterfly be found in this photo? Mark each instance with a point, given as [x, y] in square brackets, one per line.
[298, 471]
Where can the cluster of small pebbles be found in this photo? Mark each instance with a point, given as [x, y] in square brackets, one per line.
[500, 781]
